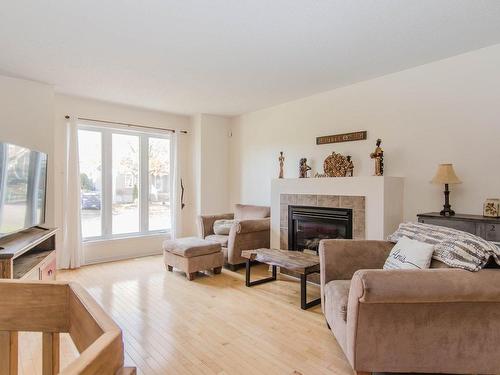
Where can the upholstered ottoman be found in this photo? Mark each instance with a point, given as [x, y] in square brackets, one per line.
[192, 254]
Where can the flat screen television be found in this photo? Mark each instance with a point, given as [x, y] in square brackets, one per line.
[23, 186]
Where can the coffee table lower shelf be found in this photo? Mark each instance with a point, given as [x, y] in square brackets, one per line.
[304, 272]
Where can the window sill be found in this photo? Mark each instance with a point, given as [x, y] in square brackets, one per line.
[129, 236]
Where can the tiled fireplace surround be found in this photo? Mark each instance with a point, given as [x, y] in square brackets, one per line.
[356, 203]
[376, 203]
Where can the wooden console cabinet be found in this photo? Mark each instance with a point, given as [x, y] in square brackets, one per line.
[484, 227]
[29, 255]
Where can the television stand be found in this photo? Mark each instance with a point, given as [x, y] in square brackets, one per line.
[29, 254]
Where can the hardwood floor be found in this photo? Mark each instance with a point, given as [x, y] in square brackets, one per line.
[213, 325]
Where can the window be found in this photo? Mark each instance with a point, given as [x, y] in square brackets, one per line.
[125, 182]
[90, 154]
[125, 173]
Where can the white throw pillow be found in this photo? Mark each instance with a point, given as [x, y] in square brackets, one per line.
[409, 254]
[222, 227]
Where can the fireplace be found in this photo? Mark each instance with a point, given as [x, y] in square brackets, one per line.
[308, 225]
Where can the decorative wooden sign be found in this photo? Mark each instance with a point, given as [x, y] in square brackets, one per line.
[336, 138]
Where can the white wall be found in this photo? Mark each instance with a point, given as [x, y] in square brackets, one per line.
[26, 119]
[89, 108]
[33, 116]
[447, 111]
[211, 164]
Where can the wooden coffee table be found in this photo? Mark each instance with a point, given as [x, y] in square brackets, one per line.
[302, 263]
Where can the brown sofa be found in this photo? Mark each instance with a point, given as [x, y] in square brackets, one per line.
[251, 230]
[439, 320]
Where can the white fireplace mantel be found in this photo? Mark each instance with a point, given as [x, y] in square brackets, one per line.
[383, 200]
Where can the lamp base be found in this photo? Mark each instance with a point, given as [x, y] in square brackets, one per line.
[447, 211]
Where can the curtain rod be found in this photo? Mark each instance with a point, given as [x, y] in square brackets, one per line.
[67, 117]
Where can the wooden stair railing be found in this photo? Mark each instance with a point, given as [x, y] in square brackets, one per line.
[52, 308]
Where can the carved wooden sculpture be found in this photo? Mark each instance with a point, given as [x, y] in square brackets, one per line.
[281, 159]
[378, 156]
[304, 168]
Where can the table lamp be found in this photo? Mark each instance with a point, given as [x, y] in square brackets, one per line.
[446, 175]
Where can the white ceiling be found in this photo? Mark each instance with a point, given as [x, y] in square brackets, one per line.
[230, 56]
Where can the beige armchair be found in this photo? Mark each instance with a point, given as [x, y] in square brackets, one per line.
[409, 321]
[251, 230]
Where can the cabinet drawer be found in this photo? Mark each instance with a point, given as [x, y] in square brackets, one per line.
[491, 232]
[465, 226]
[48, 268]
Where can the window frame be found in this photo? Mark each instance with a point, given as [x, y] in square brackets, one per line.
[107, 181]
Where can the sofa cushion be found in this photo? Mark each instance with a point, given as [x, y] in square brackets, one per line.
[191, 246]
[223, 227]
[409, 255]
[336, 297]
[218, 238]
[244, 211]
[335, 308]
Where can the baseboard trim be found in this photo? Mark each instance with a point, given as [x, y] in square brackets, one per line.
[119, 257]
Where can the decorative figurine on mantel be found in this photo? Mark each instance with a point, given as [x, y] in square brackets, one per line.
[281, 159]
[304, 168]
[378, 156]
[350, 166]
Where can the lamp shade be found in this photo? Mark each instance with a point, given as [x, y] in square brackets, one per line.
[446, 175]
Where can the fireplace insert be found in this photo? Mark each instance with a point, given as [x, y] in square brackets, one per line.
[309, 225]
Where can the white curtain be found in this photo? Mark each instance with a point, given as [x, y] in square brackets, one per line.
[176, 215]
[72, 231]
